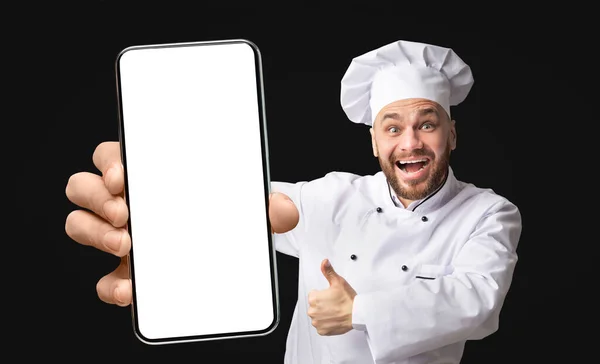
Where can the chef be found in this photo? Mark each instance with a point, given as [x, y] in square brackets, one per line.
[403, 266]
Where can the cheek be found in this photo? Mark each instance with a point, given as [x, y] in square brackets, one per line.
[440, 149]
[385, 150]
[439, 144]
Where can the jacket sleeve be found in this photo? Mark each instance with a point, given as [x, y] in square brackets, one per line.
[429, 314]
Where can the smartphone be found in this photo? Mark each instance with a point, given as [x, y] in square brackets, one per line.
[192, 130]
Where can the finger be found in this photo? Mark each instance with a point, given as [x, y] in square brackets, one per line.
[87, 190]
[115, 287]
[283, 213]
[312, 298]
[107, 158]
[89, 229]
[330, 274]
[315, 324]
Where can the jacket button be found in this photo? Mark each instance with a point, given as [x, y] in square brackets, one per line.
[424, 218]
[353, 257]
[404, 268]
[379, 209]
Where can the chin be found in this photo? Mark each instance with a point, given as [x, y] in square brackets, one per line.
[414, 190]
[417, 184]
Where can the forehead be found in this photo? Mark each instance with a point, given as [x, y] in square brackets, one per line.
[404, 110]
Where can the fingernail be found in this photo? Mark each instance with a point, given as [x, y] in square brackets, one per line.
[110, 209]
[112, 240]
[327, 263]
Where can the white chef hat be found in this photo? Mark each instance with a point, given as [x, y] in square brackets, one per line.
[403, 70]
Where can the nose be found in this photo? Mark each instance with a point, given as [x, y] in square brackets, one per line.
[409, 140]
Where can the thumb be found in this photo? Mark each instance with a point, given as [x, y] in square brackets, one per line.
[329, 272]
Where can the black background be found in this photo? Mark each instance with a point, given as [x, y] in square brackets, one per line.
[514, 134]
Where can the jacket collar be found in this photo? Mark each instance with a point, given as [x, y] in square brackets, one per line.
[434, 201]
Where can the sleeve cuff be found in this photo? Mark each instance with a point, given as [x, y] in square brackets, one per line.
[358, 322]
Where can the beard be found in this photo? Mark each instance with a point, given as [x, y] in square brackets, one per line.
[417, 189]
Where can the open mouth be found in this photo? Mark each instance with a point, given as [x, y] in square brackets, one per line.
[412, 166]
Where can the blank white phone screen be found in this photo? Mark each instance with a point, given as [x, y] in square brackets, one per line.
[197, 189]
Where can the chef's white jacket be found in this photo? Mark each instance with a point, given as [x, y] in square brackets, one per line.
[428, 277]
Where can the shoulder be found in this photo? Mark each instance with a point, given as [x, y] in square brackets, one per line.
[335, 185]
[330, 190]
[489, 216]
[485, 201]
[341, 179]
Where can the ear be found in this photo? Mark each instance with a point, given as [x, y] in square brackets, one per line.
[373, 143]
[452, 140]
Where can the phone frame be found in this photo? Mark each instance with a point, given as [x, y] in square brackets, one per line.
[266, 183]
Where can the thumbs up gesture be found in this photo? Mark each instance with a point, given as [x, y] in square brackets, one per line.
[331, 309]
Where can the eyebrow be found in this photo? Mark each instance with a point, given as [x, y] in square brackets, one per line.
[421, 112]
[428, 111]
[391, 115]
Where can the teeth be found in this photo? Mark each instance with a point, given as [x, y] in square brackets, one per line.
[405, 162]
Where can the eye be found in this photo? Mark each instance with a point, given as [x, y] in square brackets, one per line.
[393, 129]
[427, 126]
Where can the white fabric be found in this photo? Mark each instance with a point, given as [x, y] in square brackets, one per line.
[403, 70]
[467, 247]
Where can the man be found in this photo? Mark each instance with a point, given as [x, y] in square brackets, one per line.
[402, 266]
